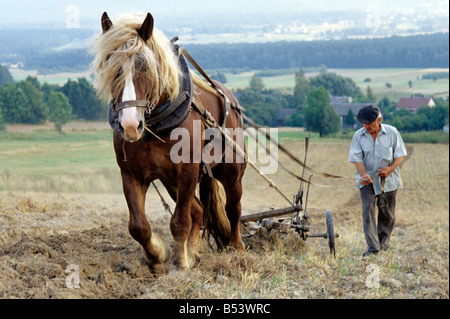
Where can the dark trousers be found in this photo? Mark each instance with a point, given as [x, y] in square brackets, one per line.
[377, 230]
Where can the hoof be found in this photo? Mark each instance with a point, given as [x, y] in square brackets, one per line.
[237, 246]
[161, 252]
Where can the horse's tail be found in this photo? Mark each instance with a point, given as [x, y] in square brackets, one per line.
[215, 220]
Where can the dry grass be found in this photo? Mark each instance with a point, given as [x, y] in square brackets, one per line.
[41, 234]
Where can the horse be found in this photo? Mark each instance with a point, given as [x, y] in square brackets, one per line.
[143, 77]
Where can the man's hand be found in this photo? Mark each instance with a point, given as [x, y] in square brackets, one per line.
[385, 171]
[366, 179]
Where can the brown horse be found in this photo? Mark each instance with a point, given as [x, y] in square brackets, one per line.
[153, 95]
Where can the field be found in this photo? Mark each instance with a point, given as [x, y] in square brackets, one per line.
[63, 217]
[379, 77]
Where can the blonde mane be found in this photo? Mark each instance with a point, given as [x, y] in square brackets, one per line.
[120, 49]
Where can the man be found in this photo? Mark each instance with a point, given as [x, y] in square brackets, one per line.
[377, 151]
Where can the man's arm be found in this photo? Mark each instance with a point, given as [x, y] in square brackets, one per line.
[365, 178]
[385, 171]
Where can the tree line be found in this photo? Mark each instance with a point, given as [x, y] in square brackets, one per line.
[31, 102]
[393, 52]
[311, 105]
[418, 51]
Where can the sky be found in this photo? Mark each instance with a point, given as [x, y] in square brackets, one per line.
[87, 13]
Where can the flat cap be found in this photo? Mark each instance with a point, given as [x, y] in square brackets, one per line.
[368, 114]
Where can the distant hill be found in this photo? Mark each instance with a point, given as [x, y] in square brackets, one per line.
[393, 52]
[64, 50]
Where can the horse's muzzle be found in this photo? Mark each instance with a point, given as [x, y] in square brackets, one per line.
[132, 133]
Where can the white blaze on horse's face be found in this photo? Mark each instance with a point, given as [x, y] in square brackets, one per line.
[129, 117]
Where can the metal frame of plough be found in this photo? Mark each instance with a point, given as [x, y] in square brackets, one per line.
[300, 223]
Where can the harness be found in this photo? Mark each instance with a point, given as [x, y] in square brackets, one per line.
[167, 116]
[172, 114]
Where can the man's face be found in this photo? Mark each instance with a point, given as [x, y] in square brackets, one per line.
[373, 127]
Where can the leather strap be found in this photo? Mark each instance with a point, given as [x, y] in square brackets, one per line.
[134, 103]
[169, 110]
[199, 69]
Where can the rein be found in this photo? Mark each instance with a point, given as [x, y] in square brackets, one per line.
[254, 125]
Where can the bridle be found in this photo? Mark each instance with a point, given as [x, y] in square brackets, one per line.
[148, 104]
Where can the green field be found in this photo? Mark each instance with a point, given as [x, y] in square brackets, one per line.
[379, 77]
[82, 161]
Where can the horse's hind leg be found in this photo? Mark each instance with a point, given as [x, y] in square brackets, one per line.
[157, 251]
[233, 209]
[230, 175]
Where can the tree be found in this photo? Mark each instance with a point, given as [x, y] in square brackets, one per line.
[297, 119]
[13, 103]
[319, 115]
[34, 81]
[263, 113]
[60, 109]
[5, 76]
[219, 76]
[350, 118]
[37, 109]
[301, 89]
[369, 95]
[261, 107]
[256, 84]
[72, 91]
[2, 122]
[94, 108]
[22, 103]
[47, 89]
[82, 97]
[438, 117]
[335, 84]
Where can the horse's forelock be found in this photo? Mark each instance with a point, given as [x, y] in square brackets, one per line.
[118, 50]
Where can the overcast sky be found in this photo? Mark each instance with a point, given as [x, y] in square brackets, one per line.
[57, 13]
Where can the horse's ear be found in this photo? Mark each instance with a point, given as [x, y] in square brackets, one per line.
[146, 30]
[106, 22]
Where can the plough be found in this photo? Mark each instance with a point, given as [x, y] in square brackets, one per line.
[299, 221]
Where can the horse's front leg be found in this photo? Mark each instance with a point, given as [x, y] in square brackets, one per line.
[186, 220]
[157, 251]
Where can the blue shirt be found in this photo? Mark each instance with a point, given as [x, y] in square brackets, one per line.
[377, 154]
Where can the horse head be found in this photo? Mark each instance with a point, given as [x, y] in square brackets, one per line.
[133, 87]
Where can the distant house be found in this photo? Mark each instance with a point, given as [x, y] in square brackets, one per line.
[340, 99]
[413, 103]
[283, 114]
[342, 110]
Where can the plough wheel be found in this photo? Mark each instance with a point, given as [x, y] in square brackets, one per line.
[330, 232]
